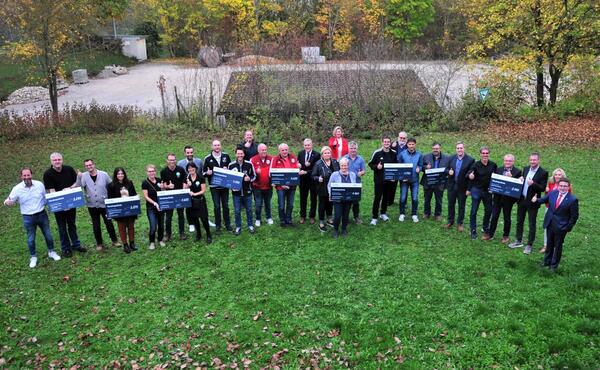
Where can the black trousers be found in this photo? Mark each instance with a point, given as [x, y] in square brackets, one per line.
[95, 215]
[531, 212]
[556, 238]
[429, 193]
[198, 213]
[392, 192]
[308, 188]
[453, 196]
[220, 198]
[356, 209]
[504, 205]
[325, 207]
[381, 199]
[169, 221]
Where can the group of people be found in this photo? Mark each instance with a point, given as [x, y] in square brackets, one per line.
[336, 163]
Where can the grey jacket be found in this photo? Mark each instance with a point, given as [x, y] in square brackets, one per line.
[95, 192]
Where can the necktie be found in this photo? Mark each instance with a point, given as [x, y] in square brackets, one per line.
[307, 157]
[559, 200]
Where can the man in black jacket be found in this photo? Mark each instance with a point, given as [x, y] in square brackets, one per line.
[503, 203]
[173, 177]
[433, 160]
[307, 159]
[479, 177]
[458, 166]
[220, 196]
[250, 147]
[383, 188]
[243, 198]
[535, 179]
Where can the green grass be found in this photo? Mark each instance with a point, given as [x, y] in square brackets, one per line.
[16, 75]
[391, 294]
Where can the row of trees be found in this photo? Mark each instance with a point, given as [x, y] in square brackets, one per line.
[539, 34]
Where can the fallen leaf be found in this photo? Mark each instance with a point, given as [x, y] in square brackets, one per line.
[257, 316]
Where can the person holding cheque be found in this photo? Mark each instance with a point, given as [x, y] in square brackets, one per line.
[120, 187]
[341, 206]
[199, 210]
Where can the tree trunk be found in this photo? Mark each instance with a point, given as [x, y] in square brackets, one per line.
[53, 90]
[539, 77]
[555, 74]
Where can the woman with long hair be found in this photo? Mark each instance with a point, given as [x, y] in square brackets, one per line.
[121, 186]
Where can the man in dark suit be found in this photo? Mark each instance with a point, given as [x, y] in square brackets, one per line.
[435, 159]
[458, 167]
[562, 214]
[534, 179]
[307, 159]
[503, 203]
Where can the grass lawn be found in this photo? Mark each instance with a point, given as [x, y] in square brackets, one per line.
[399, 294]
[16, 75]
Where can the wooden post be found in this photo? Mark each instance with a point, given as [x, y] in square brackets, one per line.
[177, 103]
[212, 105]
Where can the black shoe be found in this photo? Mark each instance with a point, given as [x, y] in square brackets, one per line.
[229, 228]
[323, 228]
[208, 240]
[126, 248]
[473, 236]
[67, 254]
[344, 233]
[335, 234]
[80, 249]
[132, 246]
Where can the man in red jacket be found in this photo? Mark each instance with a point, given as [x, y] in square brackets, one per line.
[285, 194]
[263, 191]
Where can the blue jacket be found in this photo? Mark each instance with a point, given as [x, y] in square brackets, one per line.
[416, 158]
[565, 216]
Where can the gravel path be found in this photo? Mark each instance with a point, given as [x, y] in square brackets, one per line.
[446, 81]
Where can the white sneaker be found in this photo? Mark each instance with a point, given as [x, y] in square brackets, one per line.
[192, 228]
[33, 262]
[269, 221]
[162, 244]
[211, 224]
[415, 218]
[401, 218]
[54, 256]
[257, 223]
[384, 217]
[374, 222]
[151, 246]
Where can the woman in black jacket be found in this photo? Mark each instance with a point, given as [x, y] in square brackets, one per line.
[121, 186]
[321, 173]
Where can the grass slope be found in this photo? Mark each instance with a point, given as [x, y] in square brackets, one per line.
[398, 294]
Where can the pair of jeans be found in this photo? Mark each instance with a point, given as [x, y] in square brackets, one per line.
[67, 229]
[341, 213]
[285, 204]
[31, 222]
[263, 197]
[157, 222]
[414, 196]
[308, 188]
[455, 195]
[95, 215]
[220, 198]
[240, 201]
[429, 193]
[479, 195]
[169, 221]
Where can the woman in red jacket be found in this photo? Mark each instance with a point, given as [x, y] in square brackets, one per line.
[338, 144]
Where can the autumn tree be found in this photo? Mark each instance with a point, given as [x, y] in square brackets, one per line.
[334, 22]
[48, 31]
[408, 18]
[543, 33]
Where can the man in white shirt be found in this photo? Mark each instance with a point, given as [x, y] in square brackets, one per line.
[31, 196]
